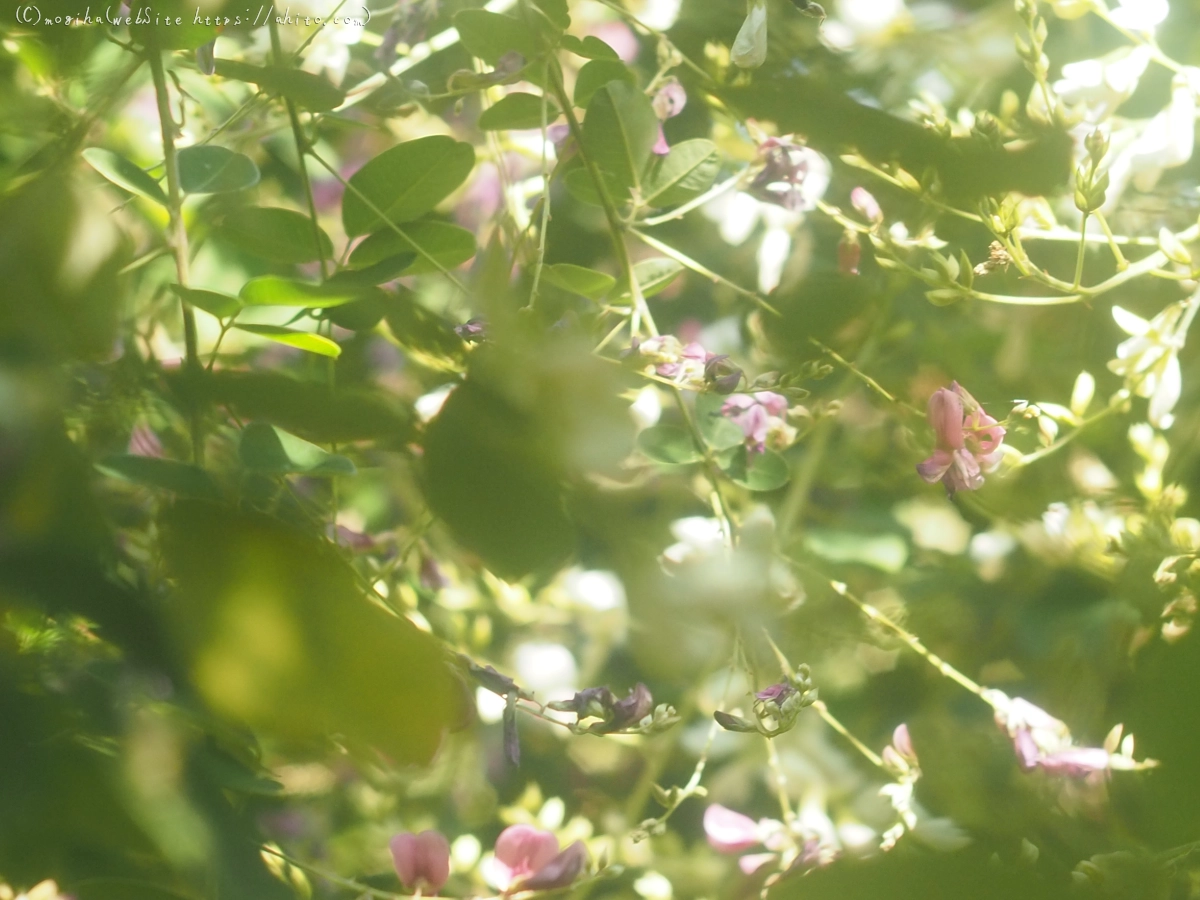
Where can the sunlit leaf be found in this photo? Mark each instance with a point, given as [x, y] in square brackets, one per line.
[886, 552]
[448, 245]
[208, 169]
[301, 340]
[668, 444]
[589, 47]
[490, 35]
[578, 279]
[685, 173]
[124, 174]
[619, 132]
[597, 73]
[311, 91]
[220, 305]
[280, 235]
[517, 111]
[765, 470]
[270, 290]
[266, 448]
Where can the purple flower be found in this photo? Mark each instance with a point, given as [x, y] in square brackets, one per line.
[968, 441]
[683, 364]
[528, 858]
[729, 831]
[899, 755]
[760, 416]
[793, 176]
[669, 100]
[865, 203]
[144, 442]
[421, 860]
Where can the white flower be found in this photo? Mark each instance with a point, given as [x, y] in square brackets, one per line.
[749, 49]
[1149, 360]
[1103, 84]
[329, 51]
[1140, 15]
[861, 21]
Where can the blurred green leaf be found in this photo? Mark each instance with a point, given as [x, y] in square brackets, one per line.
[180, 478]
[449, 245]
[301, 340]
[762, 471]
[490, 35]
[620, 131]
[597, 73]
[220, 305]
[578, 279]
[668, 444]
[406, 181]
[685, 173]
[719, 432]
[280, 235]
[518, 111]
[886, 552]
[425, 336]
[266, 448]
[589, 47]
[270, 290]
[277, 634]
[124, 174]
[208, 169]
[314, 92]
[653, 276]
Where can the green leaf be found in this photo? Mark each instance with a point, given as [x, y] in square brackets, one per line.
[302, 340]
[310, 409]
[590, 47]
[518, 111]
[581, 186]
[124, 174]
[620, 131]
[426, 337]
[220, 305]
[406, 181]
[556, 12]
[719, 432]
[886, 552]
[387, 269]
[162, 474]
[207, 169]
[668, 444]
[765, 471]
[579, 280]
[361, 315]
[265, 448]
[597, 73]
[490, 35]
[311, 91]
[653, 276]
[449, 245]
[185, 36]
[280, 235]
[233, 775]
[270, 290]
[275, 634]
[682, 175]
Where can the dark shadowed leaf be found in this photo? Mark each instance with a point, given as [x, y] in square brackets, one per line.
[162, 474]
[220, 305]
[311, 91]
[124, 174]
[266, 448]
[207, 169]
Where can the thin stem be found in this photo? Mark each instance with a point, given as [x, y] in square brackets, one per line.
[865, 378]
[711, 469]
[178, 235]
[302, 144]
[780, 782]
[615, 228]
[1118, 256]
[541, 251]
[699, 269]
[680, 211]
[1079, 255]
[1030, 458]
[824, 713]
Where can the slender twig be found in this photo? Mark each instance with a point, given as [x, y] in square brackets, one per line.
[832, 722]
[178, 235]
[680, 211]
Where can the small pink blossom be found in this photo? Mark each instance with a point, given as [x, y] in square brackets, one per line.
[729, 831]
[144, 442]
[521, 851]
[968, 441]
[866, 204]
[661, 147]
[761, 417]
[421, 860]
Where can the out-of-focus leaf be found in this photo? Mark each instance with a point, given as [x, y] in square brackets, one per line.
[556, 12]
[276, 634]
[425, 336]
[620, 131]
[208, 169]
[597, 73]
[719, 432]
[449, 245]
[886, 552]
[517, 111]
[271, 290]
[280, 235]
[362, 314]
[301, 340]
[579, 280]
[653, 276]
[266, 448]
[764, 471]
[308, 408]
[406, 181]
[685, 173]
[232, 774]
[124, 174]
[311, 91]
[387, 269]
[590, 47]
[668, 444]
[162, 474]
[490, 35]
[220, 305]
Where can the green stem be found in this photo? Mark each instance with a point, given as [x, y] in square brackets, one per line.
[177, 236]
[1079, 255]
[832, 722]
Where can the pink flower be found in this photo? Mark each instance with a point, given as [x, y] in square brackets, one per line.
[144, 442]
[865, 203]
[421, 860]
[760, 416]
[729, 831]
[968, 441]
[900, 755]
[522, 851]
[661, 147]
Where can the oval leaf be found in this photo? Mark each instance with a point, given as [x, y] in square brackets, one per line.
[448, 245]
[764, 471]
[597, 73]
[280, 235]
[590, 47]
[653, 276]
[578, 280]
[162, 474]
[308, 90]
[220, 305]
[124, 174]
[265, 448]
[620, 131]
[682, 175]
[668, 444]
[518, 111]
[273, 291]
[490, 35]
[406, 181]
[205, 169]
[301, 340]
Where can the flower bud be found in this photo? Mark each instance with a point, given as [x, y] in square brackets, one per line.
[421, 860]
